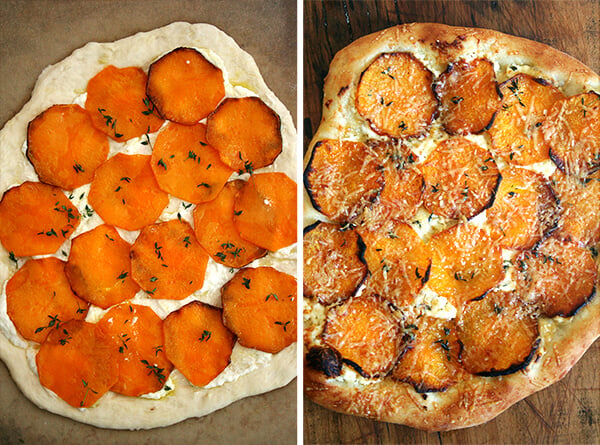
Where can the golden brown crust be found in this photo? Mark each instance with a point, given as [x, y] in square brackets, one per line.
[562, 340]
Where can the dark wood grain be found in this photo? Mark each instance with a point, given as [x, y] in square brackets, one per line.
[567, 412]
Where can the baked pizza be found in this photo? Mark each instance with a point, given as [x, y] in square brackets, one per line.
[452, 225]
[148, 232]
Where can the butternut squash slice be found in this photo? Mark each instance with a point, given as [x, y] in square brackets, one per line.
[516, 130]
[366, 334]
[185, 86]
[499, 334]
[468, 95]
[342, 178]
[395, 95]
[186, 166]
[572, 130]
[64, 146]
[78, 362]
[35, 219]
[333, 263]
[99, 268]
[125, 193]
[137, 334]
[559, 276]
[524, 209]
[197, 342]
[245, 132]
[260, 308]
[430, 361]
[265, 210]
[466, 263]
[460, 179]
[167, 261]
[216, 231]
[39, 299]
[398, 263]
[117, 102]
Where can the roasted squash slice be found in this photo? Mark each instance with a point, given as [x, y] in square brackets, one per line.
[186, 166]
[137, 334]
[185, 86]
[343, 177]
[117, 102]
[260, 308]
[78, 362]
[460, 179]
[498, 334]
[39, 299]
[35, 219]
[333, 264]
[524, 208]
[125, 193]
[216, 232]
[64, 146]
[468, 95]
[398, 263]
[559, 276]
[430, 361]
[466, 263]
[572, 130]
[99, 268]
[395, 95]
[167, 261]
[517, 127]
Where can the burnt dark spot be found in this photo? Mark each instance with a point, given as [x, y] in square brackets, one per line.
[443, 47]
[328, 103]
[342, 91]
[326, 360]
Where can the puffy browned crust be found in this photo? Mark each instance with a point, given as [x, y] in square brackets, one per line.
[475, 399]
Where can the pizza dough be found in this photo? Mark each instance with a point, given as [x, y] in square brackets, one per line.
[250, 372]
[346, 365]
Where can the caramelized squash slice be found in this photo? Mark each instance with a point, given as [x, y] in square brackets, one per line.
[265, 210]
[99, 269]
[342, 178]
[197, 342]
[117, 102]
[498, 334]
[137, 334]
[333, 263]
[260, 308]
[245, 132]
[78, 362]
[185, 86]
[186, 166]
[559, 276]
[216, 232]
[35, 219]
[524, 209]
[466, 263]
[125, 193]
[366, 334]
[468, 95]
[460, 179]
[398, 263]
[572, 130]
[580, 216]
[517, 127]
[167, 261]
[39, 299]
[430, 361]
[64, 146]
[395, 95]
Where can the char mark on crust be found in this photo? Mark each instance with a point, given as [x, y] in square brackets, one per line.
[516, 367]
[342, 91]
[325, 360]
[443, 46]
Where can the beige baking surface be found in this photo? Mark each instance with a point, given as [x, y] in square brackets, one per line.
[34, 34]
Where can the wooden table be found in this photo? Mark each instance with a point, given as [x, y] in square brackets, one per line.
[567, 412]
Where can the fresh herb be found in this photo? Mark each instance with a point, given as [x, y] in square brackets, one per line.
[186, 241]
[157, 250]
[417, 274]
[126, 179]
[124, 339]
[65, 340]
[122, 276]
[271, 295]
[402, 126]
[54, 322]
[87, 389]
[205, 335]
[284, 325]
[11, 257]
[248, 168]
[50, 232]
[458, 277]
[203, 184]
[435, 188]
[514, 88]
[157, 349]
[158, 372]
[238, 213]
[162, 163]
[456, 100]
[78, 168]
[153, 279]
[387, 72]
[246, 283]
[118, 188]
[89, 212]
[110, 122]
[498, 309]
[444, 345]
[150, 109]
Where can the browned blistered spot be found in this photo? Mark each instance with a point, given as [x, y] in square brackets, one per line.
[328, 103]
[342, 91]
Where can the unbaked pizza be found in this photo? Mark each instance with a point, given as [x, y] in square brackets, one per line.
[452, 225]
[148, 232]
